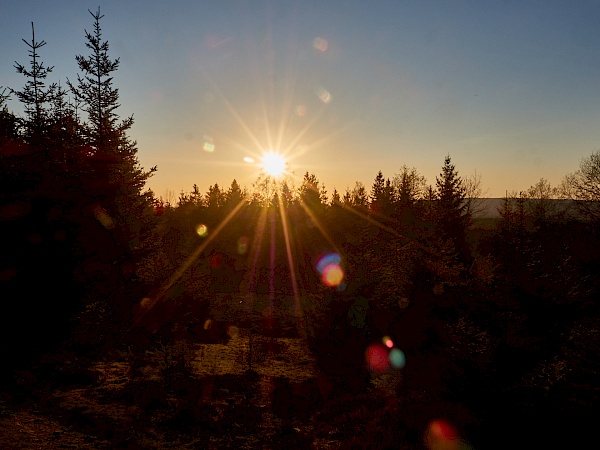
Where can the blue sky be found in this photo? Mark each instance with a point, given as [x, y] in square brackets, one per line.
[510, 89]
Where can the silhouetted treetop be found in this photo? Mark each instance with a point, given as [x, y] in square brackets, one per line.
[311, 193]
[583, 186]
[35, 96]
[95, 90]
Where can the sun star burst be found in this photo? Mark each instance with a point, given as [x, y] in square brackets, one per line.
[273, 164]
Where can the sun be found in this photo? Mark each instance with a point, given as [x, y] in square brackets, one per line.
[273, 164]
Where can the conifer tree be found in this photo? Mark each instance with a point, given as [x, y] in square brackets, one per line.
[452, 218]
[10, 148]
[35, 95]
[115, 179]
[287, 197]
[193, 199]
[377, 194]
[382, 196]
[234, 195]
[310, 193]
[8, 122]
[96, 92]
[42, 234]
[390, 193]
[347, 198]
[65, 137]
[214, 198]
[335, 198]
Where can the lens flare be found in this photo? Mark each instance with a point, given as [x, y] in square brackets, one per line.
[324, 95]
[202, 230]
[331, 272]
[387, 341]
[377, 358]
[301, 110]
[328, 260]
[441, 435]
[397, 358]
[248, 160]
[209, 145]
[320, 44]
[333, 275]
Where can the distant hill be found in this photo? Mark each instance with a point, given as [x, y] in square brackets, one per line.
[487, 208]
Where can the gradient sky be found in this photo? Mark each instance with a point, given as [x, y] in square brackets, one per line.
[510, 89]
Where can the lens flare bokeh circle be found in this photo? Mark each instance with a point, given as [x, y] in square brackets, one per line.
[377, 358]
[202, 230]
[397, 358]
[330, 269]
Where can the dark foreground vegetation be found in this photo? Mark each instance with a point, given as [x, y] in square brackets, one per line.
[238, 319]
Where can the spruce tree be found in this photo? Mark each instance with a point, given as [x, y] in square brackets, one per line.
[234, 195]
[8, 125]
[335, 198]
[38, 249]
[451, 216]
[310, 193]
[382, 196]
[287, 198]
[96, 92]
[215, 198]
[377, 194]
[35, 95]
[115, 179]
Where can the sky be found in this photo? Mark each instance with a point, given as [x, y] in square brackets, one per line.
[343, 89]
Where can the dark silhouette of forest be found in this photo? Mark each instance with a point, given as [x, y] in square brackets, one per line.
[494, 321]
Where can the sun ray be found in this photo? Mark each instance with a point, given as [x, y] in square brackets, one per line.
[319, 226]
[372, 221]
[250, 283]
[277, 140]
[286, 106]
[146, 305]
[271, 261]
[293, 151]
[306, 128]
[234, 112]
[298, 310]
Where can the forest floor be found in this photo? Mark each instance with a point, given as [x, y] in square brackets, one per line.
[251, 390]
[103, 404]
[254, 390]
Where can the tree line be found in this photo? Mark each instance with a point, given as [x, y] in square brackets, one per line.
[84, 242]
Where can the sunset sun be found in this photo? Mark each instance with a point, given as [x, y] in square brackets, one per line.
[273, 164]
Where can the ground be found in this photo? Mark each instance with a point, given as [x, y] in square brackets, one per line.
[250, 390]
